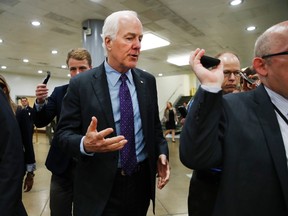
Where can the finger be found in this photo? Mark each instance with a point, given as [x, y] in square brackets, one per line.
[93, 125]
[105, 132]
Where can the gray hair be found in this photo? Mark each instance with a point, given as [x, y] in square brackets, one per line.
[111, 25]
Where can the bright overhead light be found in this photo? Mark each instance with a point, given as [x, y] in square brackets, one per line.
[235, 2]
[54, 52]
[151, 41]
[40, 71]
[1, 41]
[25, 60]
[251, 28]
[3, 67]
[63, 66]
[180, 60]
[160, 74]
[35, 23]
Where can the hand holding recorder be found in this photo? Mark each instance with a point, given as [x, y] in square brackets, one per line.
[42, 90]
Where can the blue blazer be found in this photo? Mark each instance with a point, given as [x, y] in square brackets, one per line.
[57, 161]
[87, 96]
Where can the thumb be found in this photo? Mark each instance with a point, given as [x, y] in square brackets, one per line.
[93, 125]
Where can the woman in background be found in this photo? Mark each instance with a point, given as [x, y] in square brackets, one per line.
[170, 119]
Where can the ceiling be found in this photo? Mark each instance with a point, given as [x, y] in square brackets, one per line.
[187, 24]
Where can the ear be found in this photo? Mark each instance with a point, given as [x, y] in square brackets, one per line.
[260, 65]
[108, 43]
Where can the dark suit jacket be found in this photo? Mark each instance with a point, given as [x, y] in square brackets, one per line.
[57, 161]
[24, 121]
[11, 161]
[87, 96]
[241, 132]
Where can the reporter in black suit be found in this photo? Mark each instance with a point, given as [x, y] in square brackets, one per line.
[245, 133]
[102, 187]
[60, 164]
[11, 158]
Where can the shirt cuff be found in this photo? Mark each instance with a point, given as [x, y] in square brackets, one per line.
[82, 150]
[30, 167]
[39, 106]
[212, 89]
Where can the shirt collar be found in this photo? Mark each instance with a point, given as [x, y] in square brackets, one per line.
[113, 76]
[279, 101]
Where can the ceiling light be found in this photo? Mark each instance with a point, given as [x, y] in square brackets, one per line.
[235, 2]
[25, 60]
[3, 67]
[63, 66]
[151, 41]
[180, 60]
[160, 74]
[54, 52]
[69, 75]
[40, 71]
[251, 28]
[1, 41]
[35, 23]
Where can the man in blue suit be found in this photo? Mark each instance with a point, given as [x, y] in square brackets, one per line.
[60, 164]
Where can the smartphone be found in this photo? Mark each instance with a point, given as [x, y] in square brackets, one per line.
[250, 81]
[45, 81]
[209, 62]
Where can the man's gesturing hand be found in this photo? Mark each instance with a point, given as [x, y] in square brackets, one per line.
[95, 141]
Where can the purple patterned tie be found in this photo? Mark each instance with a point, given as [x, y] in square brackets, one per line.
[128, 153]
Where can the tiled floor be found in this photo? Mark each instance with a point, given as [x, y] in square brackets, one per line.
[170, 201]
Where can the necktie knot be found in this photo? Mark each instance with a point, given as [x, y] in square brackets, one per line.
[123, 78]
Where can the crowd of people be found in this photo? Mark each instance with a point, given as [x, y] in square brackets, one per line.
[109, 153]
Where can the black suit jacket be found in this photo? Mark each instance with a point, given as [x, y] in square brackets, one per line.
[57, 161]
[87, 96]
[241, 133]
[11, 161]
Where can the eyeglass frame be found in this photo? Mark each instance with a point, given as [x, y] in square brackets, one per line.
[236, 73]
[274, 54]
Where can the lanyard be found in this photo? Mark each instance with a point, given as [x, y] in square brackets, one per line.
[281, 114]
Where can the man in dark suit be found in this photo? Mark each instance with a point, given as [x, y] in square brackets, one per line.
[60, 164]
[11, 160]
[204, 183]
[102, 184]
[244, 133]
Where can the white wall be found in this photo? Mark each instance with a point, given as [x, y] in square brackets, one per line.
[21, 85]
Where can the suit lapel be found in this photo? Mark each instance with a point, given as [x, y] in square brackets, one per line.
[101, 91]
[273, 136]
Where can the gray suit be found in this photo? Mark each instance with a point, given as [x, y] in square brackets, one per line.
[88, 95]
[239, 132]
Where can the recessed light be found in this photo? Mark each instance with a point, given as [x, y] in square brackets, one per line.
[35, 23]
[40, 71]
[235, 2]
[1, 41]
[54, 52]
[3, 67]
[251, 28]
[180, 60]
[151, 41]
[63, 66]
[160, 74]
[25, 60]
[68, 75]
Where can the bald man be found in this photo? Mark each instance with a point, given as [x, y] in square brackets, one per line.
[217, 131]
[204, 183]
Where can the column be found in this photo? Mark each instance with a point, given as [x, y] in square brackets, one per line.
[92, 41]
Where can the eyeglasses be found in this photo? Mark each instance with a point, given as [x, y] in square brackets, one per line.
[274, 54]
[228, 73]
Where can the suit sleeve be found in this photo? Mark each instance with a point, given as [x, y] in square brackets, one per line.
[47, 113]
[200, 139]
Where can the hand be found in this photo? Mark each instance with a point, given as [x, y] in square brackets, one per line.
[163, 171]
[28, 182]
[95, 141]
[41, 93]
[213, 77]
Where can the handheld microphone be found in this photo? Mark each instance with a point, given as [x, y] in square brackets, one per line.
[45, 81]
